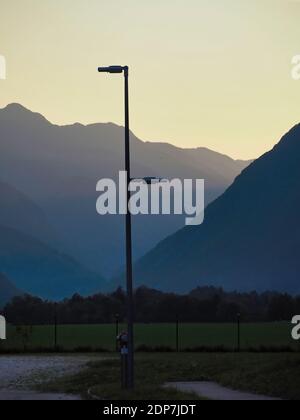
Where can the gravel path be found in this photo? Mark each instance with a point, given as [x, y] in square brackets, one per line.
[213, 391]
[35, 396]
[19, 374]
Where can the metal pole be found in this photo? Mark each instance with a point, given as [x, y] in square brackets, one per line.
[130, 366]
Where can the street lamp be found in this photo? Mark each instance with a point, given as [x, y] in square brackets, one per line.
[112, 69]
[130, 367]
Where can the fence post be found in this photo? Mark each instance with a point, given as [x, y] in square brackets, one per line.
[177, 333]
[238, 332]
[55, 327]
[117, 332]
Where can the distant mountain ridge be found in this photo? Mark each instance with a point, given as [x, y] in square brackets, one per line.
[250, 239]
[41, 270]
[58, 168]
[19, 212]
[28, 259]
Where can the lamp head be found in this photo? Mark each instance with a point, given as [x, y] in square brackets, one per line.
[111, 69]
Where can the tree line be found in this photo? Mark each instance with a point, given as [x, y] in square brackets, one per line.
[205, 304]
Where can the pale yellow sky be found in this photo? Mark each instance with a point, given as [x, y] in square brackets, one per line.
[214, 73]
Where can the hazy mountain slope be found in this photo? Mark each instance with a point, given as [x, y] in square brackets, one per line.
[58, 167]
[19, 212]
[250, 238]
[40, 270]
[7, 290]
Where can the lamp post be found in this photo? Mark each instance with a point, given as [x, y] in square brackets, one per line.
[130, 367]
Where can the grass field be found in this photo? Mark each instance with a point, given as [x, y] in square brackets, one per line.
[191, 336]
[274, 375]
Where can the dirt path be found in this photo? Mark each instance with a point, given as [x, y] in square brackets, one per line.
[19, 374]
[213, 391]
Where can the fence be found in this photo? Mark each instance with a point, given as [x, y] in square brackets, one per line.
[159, 337]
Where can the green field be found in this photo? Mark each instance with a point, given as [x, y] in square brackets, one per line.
[93, 337]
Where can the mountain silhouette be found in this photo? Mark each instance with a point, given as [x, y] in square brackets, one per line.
[19, 212]
[250, 238]
[27, 257]
[42, 271]
[7, 290]
[58, 168]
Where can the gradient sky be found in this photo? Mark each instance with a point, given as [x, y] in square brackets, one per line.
[214, 73]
